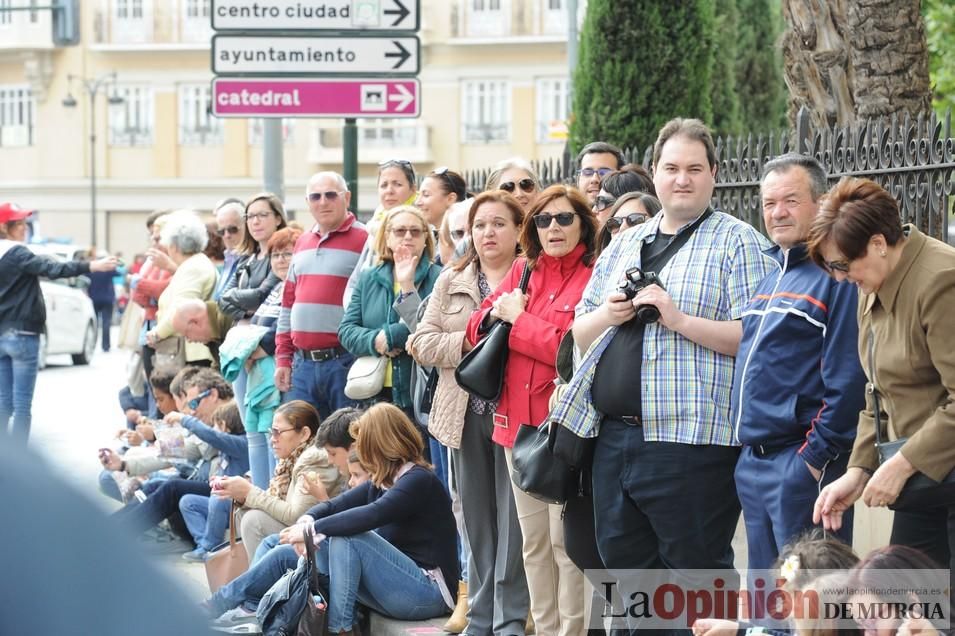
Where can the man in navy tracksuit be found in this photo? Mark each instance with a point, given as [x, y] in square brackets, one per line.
[798, 386]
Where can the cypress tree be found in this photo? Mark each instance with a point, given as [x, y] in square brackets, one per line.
[641, 63]
[759, 66]
[727, 118]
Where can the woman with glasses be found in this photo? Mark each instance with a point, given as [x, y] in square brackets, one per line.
[630, 210]
[559, 242]
[517, 177]
[497, 594]
[384, 305]
[630, 178]
[440, 189]
[266, 511]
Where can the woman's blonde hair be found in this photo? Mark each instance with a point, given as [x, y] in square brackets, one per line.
[381, 240]
[386, 440]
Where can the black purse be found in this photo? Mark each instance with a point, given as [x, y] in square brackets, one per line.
[920, 492]
[536, 470]
[481, 370]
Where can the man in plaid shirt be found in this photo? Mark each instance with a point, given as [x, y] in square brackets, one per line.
[656, 394]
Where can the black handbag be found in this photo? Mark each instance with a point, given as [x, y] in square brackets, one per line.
[920, 491]
[295, 604]
[481, 370]
[536, 470]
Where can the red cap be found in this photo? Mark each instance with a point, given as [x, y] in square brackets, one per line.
[10, 212]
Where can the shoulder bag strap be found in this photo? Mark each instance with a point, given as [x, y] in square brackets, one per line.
[525, 278]
[871, 390]
[679, 241]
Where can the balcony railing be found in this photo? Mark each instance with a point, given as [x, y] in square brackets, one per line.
[25, 29]
[178, 24]
[377, 141]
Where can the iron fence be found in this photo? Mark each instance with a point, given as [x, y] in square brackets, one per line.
[914, 159]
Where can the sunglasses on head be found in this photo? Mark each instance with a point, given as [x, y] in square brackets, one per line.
[331, 195]
[193, 404]
[602, 202]
[527, 185]
[543, 220]
[391, 162]
[457, 235]
[590, 172]
[837, 266]
[634, 218]
[227, 230]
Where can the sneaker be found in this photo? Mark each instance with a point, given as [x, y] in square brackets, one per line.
[199, 555]
[237, 621]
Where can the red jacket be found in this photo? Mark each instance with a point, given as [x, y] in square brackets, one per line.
[150, 287]
[553, 291]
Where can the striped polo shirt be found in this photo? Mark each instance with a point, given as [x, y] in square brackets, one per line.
[312, 300]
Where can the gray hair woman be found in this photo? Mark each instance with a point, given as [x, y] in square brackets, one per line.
[184, 237]
[518, 178]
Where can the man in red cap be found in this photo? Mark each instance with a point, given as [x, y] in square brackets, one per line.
[23, 316]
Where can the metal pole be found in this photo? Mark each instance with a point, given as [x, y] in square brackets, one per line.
[91, 90]
[571, 51]
[350, 160]
[273, 160]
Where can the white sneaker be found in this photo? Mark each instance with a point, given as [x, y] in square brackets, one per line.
[237, 621]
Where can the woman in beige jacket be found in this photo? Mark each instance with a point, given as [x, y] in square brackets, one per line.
[302, 477]
[497, 597]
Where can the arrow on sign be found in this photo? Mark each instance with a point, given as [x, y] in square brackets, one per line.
[402, 13]
[405, 97]
[402, 53]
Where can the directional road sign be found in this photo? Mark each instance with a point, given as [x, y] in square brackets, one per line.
[316, 55]
[294, 15]
[239, 97]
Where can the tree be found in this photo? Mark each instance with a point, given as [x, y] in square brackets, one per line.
[853, 59]
[760, 66]
[641, 63]
[940, 33]
[724, 93]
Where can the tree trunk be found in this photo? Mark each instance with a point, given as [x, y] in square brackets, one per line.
[852, 59]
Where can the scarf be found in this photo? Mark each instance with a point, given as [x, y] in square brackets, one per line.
[282, 479]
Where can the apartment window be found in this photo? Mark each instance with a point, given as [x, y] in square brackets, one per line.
[486, 5]
[388, 133]
[6, 17]
[17, 112]
[197, 126]
[197, 9]
[256, 133]
[487, 17]
[129, 9]
[552, 109]
[486, 107]
[131, 122]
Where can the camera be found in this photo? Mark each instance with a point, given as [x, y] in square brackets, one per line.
[637, 279]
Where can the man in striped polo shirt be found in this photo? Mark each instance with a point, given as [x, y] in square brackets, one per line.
[311, 364]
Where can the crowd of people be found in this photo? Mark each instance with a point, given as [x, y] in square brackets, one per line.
[306, 383]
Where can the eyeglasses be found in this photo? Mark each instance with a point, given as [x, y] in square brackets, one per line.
[527, 185]
[837, 266]
[258, 216]
[330, 196]
[227, 230]
[457, 235]
[285, 256]
[193, 404]
[635, 218]
[602, 202]
[590, 172]
[543, 220]
[398, 232]
[275, 432]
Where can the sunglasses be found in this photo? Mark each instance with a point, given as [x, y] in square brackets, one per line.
[526, 185]
[228, 230]
[457, 235]
[837, 266]
[635, 218]
[543, 220]
[392, 162]
[398, 232]
[601, 203]
[331, 195]
[193, 404]
[590, 172]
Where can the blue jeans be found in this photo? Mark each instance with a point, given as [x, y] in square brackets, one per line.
[207, 519]
[366, 568]
[247, 589]
[108, 486]
[19, 354]
[322, 384]
[160, 504]
[261, 459]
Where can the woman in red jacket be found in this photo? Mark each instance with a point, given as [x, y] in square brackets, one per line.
[559, 240]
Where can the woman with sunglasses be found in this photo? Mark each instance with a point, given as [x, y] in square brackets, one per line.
[628, 211]
[440, 189]
[517, 177]
[630, 178]
[497, 593]
[559, 240]
[384, 305]
[906, 283]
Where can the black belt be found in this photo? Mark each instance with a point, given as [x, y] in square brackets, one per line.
[323, 355]
[631, 420]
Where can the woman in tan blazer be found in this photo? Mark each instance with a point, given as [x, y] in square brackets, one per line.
[463, 423]
[906, 304]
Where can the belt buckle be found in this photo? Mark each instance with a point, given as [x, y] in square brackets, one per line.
[317, 355]
[631, 420]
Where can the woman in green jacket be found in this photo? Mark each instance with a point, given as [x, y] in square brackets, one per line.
[384, 304]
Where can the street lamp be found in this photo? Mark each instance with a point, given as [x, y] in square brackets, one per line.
[92, 86]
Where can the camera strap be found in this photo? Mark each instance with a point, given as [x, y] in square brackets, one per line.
[656, 262]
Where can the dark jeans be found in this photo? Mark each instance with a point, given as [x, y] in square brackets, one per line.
[322, 384]
[931, 531]
[104, 314]
[159, 505]
[580, 540]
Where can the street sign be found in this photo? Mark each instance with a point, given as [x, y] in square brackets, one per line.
[321, 56]
[294, 15]
[239, 97]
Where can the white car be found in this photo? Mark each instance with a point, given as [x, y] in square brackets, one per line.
[70, 319]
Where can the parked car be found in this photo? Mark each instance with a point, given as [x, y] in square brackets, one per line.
[70, 319]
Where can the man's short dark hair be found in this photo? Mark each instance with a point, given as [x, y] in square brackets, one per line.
[162, 376]
[205, 379]
[178, 385]
[818, 183]
[691, 129]
[333, 431]
[598, 147]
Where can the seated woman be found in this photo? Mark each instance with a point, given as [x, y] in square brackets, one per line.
[391, 542]
[265, 512]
